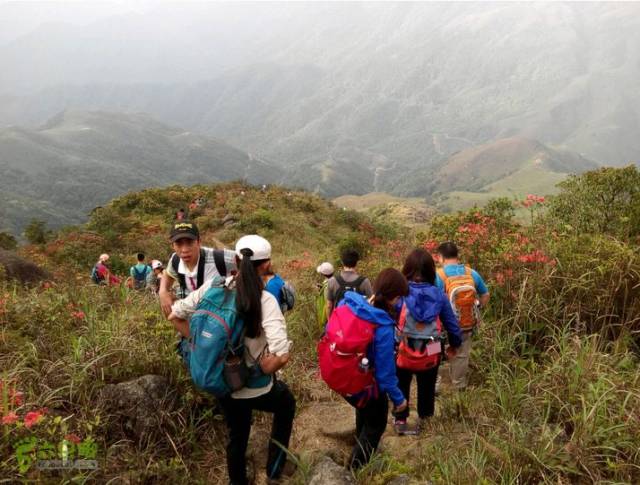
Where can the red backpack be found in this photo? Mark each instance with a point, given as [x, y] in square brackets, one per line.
[341, 350]
[417, 354]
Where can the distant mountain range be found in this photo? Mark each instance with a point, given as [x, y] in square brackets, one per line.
[79, 160]
[351, 97]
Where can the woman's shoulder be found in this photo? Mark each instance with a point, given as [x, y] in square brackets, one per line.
[269, 302]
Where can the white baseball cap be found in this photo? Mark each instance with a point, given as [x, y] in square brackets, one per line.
[104, 257]
[258, 245]
[155, 264]
[325, 268]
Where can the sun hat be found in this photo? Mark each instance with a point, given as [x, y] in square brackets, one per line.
[325, 268]
[259, 246]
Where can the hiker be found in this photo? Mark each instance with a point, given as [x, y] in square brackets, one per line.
[266, 350]
[347, 280]
[139, 273]
[422, 314]
[283, 290]
[326, 270]
[467, 293]
[356, 357]
[155, 276]
[101, 274]
[191, 264]
[180, 215]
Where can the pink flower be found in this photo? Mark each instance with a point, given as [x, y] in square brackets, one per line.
[10, 418]
[33, 417]
[78, 315]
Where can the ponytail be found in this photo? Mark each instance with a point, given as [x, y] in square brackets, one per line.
[249, 288]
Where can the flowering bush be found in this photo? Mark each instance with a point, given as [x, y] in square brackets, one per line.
[539, 278]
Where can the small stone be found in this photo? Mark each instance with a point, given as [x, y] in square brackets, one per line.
[328, 472]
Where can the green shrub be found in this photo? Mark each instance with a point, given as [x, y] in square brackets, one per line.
[258, 220]
[7, 241]
[603, 201]
[36, 232]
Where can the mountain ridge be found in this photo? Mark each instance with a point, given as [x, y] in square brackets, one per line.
[79, 160]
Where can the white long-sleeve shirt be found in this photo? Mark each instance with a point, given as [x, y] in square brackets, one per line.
[273, 337]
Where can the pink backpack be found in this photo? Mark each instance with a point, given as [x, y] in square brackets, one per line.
[341, 350]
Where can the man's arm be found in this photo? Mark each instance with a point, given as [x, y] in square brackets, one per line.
[481, 288]
[166, 294]
[328, 296]
[180, 324]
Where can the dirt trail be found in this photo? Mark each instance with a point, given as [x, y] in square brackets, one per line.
[326, 426]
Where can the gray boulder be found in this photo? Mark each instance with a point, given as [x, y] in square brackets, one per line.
[328, 472]
[139, 408]
[13, 267]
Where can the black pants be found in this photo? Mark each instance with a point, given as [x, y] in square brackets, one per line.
[371, 421]
[237, 412]
[426, 389]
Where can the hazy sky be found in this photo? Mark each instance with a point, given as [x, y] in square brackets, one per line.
[21, 17]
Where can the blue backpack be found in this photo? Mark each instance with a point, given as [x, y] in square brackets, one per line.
[216, 347]
[140, 277]
[95, 277]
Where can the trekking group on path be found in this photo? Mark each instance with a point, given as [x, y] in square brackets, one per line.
[228, 307]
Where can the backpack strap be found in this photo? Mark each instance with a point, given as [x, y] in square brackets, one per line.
[175, 262]
[201, 262]
[467, 270]
[443, 276]
[358, 282]
[218, 259]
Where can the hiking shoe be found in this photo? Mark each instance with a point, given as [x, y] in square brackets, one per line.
[400, 425]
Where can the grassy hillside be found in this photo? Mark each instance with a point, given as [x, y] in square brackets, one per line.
[555, 387]
[79, 160]
[408, 211]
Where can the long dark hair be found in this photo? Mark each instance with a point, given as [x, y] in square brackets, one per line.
[389, 284]
[420, 267]
[249, 288]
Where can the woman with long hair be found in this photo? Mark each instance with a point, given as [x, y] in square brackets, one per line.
[423, 312]
[266, 350]
[372, 412]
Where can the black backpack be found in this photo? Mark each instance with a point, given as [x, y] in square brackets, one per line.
[218, 259]
[347, 286]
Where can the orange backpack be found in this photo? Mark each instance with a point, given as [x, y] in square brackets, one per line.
[463, 297]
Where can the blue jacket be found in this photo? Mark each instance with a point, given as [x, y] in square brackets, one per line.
[274, 286]
[382, 352]
[425, 302]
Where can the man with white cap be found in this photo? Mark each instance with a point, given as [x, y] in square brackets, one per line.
[155, 276]
[325, 269]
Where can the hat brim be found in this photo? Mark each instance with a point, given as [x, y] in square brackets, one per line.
[184, 235]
